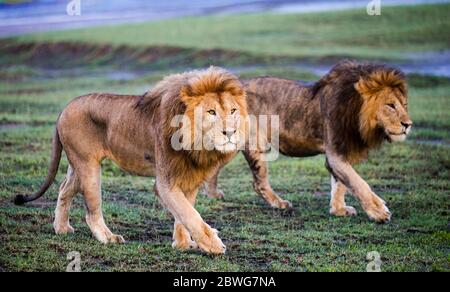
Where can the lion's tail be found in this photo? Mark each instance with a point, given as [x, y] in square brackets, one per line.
[53, 169]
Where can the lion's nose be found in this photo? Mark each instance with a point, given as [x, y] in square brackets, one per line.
[407, 124]
[229, 133]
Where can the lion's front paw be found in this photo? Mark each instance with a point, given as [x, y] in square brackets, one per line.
[185, 245]
[377, 211]
[114, 239]
[346, 211]
[218, 194]
[210, 242]
[281, 204]
[63, 229]
[110, 238]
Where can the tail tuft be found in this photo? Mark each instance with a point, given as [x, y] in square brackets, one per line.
[19, 200]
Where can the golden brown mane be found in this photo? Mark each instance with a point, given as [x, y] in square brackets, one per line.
[190, 85]
[174, 96]
[213, 80]
[380, 79]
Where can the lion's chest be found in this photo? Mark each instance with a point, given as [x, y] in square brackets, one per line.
[190, 175]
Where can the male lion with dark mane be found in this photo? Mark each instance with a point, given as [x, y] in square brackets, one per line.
[136, 133]
[348, 112]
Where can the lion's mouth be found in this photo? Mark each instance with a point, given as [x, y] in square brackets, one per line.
[227, 144]
[227, 147]
[396, 137]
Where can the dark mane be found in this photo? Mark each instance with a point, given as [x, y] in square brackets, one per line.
[342, 100]
[148, 102]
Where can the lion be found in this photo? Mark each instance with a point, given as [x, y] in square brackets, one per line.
[347, 113]
[136, 133]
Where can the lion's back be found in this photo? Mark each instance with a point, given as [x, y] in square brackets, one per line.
[272, 95]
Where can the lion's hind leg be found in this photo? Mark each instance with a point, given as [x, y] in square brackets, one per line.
[261, 183]
[211, 185]
[67, 191]
[89, 174]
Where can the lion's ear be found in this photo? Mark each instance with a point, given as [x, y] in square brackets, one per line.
[186, 94]
[368, 87]
[235, 88]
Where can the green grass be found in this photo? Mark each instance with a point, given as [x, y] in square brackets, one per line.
[348, 33]
[412, 177]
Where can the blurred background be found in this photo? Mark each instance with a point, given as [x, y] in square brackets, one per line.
[48, 57]
[409, 37]
[22, 16]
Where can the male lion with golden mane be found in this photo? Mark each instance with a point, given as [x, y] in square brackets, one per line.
[350, 111]
[136, 133]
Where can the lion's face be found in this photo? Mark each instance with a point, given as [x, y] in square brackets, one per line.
[219, 119]
[385, 107]
[222, 123]
[392, 115]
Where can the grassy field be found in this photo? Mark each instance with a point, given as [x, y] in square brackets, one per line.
[346, 33]
[412, 177]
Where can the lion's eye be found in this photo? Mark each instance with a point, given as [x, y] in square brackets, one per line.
[233, 111]
[212, 112]
[391, 105]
